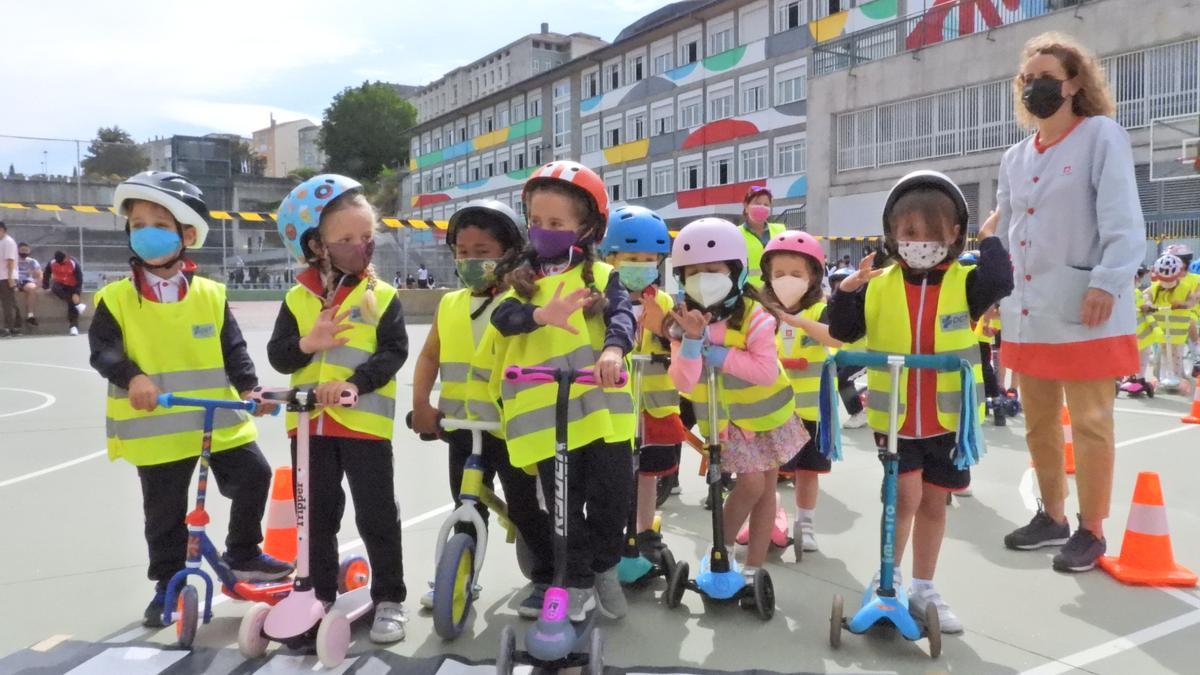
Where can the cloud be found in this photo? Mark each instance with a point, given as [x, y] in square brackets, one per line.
[238, 118]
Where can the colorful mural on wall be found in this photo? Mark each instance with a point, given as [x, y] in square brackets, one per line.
[529, 127]
[510, 180]
[950, 19]
[856, 19]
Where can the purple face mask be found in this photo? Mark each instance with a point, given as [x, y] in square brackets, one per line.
[351, 258]
[552, 243]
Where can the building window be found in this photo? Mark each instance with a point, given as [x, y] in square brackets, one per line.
[791, 84]
[662, 180]
[474, 129]
[720, 170]
[504, 166]
[661, 121]
[637, 127]
[720, 105]
[519, 160]
[856, 140]
[591, 84]
[920, 128]
[637, 186]
[537, 65]
[489, 169]
[614, 76]
[663, 62]
[562, 124]
[720, 41]
[591, 139]
[791, 157]
[689, 176]
[689, 52]
[614, 192]
[487, 124]
[537, 155]
[535, 107]
[562, 90]
[754, 96]
[502, 118]
[612, 136]
[518, 112]
[474, 173]
[690, 114]
[635, 70]
[787, 15]
[754, 163]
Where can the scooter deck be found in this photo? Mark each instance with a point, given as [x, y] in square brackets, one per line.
[877, 610]
[355, 603]
[269, 592]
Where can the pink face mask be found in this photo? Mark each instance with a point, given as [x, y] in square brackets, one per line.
[759, 213]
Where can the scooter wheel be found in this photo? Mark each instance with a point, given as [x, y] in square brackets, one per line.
[1149, 392]
[251, 642]
[676, 584]
[454, 586]
[595, 664]
[764, 595]
[525, 557]
[835, 622]
[188, 615]
[933, 630]
[353, 573]
[797, 548]
[668, 562]
[508, 651]
[333, 638]
[662, 491]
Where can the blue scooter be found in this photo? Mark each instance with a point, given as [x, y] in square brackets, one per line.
[887, 604]
[720, 579]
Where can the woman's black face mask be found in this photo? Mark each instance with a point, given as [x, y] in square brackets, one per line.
[1043, 97]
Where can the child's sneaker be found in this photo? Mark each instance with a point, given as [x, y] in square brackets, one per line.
[650, 544]
[31, 320]
[1080, 552]
[153, 616]
[808, 536]
[531, 606]
[743, 535]
[427, 599]
[856, 421]
[80, 307]
[897, 581]
[581, 601]
[259, 568]
[1041, 531]
[388, 625]
[610, 597]
[74, 330]
[924, 594]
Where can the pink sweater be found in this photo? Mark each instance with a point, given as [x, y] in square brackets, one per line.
[757, 364]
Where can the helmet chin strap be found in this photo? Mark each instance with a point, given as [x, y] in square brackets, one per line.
[174, 259]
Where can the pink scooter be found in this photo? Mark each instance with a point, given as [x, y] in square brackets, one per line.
[300, 618]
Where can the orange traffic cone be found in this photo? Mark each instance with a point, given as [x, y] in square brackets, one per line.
[1146, 556]
[1194, 418]
[280, 539]
[1068, 443]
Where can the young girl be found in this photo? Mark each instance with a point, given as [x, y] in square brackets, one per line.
[923, 304]
[340, 328]
[1170, 297]
[636, 243]
[539, 323]
[482, 235]
[722, 325]
[793, 264]
[165, 329]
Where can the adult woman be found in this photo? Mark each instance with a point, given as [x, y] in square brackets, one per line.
[756, 208]
[1069, 214]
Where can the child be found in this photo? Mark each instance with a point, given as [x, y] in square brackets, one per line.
[1170, 296]
[793, 265]
[481, 235]
[923, 304]
[166, 329]
[29, 277]
[328, 223]
[986, 329]
[1149, 332]
[636, 243]
[722, 325]
[538, 323]
[64, 278]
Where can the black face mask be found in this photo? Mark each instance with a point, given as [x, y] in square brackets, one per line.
[1043, 97]
[23, 255]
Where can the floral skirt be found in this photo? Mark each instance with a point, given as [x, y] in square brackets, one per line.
[753, 451]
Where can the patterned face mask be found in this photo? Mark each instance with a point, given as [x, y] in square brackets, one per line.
[922, 255]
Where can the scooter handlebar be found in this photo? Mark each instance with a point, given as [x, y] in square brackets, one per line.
[348, 398]
[662, 359]
[881, 360]
[170, 400]
[541, 374]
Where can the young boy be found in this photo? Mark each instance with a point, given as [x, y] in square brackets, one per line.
[165, 329]
[923, 304]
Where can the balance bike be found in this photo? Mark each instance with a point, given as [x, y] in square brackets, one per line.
[553, 642]
[301, 618]
[635, 568]
[182, 603]
[458, 558]
[887, 604]
[720, 579]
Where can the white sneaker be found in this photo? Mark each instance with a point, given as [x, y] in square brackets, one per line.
[80, 307]
[808, 537]
[581, 601]
[856, 421]
[427, 599]
[897, 581]
[74, 330]
[388, 625]
[920, 597]
[965, 492]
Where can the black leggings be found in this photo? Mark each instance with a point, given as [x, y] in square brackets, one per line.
[991, 388]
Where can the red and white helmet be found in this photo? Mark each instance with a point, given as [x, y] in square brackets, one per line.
[795, 241]
[1169, 268]
[578, 175]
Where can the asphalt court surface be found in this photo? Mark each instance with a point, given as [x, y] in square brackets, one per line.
[72, 575]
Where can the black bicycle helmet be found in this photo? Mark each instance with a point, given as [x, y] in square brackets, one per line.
[926, 179]
[492, 215]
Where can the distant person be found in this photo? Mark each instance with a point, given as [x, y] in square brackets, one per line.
[64, 278]
[422, 277]
[410, 281]
[29, 277]
[10, 315]
[397, 281]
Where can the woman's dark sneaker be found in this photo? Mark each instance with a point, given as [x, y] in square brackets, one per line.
[1080, 553]
[1041, 531]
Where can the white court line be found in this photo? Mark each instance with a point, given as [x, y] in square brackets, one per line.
[51, 469]
[1160, 413]
[49, 401]
[1168, 432]
[48, 365]
[1116, 645]
[1181, 595]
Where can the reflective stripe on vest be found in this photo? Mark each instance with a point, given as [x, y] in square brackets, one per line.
[1148, 331]
[375, 411]
[178, 346]
[660, 398]
[1175, 323]
[754, 250]
[456, 347]
[806, 382]
[888, 323]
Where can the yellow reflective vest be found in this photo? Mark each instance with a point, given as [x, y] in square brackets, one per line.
[178, 346]
[888, 330]
[1174, 323]
[806, 382]
[659, 396]
[375, 412]
[1149, 333]
[527, 409]
[754, 250]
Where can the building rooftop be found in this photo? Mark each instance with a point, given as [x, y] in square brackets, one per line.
[660, 16]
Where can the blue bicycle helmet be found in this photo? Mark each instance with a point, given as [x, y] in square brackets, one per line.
[1194, 268]
[300, 212]
[635, 229]
[969, 258]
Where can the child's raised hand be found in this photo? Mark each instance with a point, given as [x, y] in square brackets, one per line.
[861, 276]
[652, 314]
[608, 367]
[143, 393]
[989, 226]
[692, 321]
[558, 311]
[330, 393]
[326, 332]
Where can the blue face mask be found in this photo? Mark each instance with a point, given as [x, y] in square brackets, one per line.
[638, 275]
[150, 243]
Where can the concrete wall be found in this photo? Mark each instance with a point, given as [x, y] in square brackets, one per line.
[1107, 27]
[55, 192]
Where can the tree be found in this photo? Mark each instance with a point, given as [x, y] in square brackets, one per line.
[12, 172]
[245, 161]
[113, 154]
[302, 174]
[364, 130]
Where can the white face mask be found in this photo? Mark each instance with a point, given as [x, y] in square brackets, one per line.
[922, 255]
[1168, 284]
[789, 289]
[708, 289]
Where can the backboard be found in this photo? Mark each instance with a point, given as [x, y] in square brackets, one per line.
[1175, 148]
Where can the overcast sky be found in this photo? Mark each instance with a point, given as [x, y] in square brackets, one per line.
[161, 68]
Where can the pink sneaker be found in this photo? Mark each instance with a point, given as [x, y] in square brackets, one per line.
[781, 534]
[743, 535]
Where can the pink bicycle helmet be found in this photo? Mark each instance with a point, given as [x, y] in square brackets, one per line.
[710, 240]
[795, 241]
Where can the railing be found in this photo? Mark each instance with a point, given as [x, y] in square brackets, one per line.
[940, 22]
